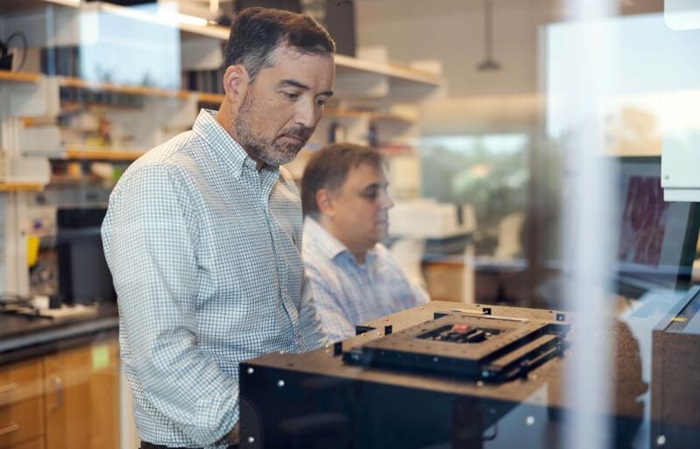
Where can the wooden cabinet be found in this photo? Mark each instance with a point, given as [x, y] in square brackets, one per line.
[69, 400]
[445, 280]
[82, 397]
[21, 404]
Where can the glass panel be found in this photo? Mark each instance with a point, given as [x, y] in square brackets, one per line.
[543, 161]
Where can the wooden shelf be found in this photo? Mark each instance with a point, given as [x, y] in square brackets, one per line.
[87, 179]
[19, 77]
[72, 153]
[125, 89]
[206, 97]
[21, 186]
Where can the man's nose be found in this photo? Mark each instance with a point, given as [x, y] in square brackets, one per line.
[307, 114]
[386, 201]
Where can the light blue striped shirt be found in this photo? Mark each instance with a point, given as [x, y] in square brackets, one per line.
[205, 255]
[347, 293]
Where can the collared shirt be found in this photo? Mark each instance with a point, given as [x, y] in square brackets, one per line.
[347, 293]
[205, 255]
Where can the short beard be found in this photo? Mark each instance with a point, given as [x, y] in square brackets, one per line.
[270, 152]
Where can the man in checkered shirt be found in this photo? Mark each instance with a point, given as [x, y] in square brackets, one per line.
[203, 237]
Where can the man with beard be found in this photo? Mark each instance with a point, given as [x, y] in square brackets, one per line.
[354, 278]
[203, 234]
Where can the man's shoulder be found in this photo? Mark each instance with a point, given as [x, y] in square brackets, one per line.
[167, 153]
[170, 159]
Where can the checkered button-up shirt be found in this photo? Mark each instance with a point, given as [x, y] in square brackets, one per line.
[347, 293]
[205, 255]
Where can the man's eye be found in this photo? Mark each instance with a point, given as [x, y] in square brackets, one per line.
[290, 95]
[370, 194]
[321, 101]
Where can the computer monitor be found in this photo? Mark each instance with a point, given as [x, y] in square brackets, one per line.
[657, 240]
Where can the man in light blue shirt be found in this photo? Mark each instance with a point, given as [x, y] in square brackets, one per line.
[203, 236]
[353, 276]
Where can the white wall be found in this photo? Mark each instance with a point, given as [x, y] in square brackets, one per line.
[452, 31]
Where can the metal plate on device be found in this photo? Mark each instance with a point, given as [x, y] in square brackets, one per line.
[478, 347]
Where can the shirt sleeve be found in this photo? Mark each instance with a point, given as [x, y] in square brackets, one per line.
[334, 323]
[150, 239]
[312, 333]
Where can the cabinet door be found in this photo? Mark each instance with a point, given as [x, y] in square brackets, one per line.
[82, 402]
[21, 402]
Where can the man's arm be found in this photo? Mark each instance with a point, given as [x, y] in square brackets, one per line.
[151, 250]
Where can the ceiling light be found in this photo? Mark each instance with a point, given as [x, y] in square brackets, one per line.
[488, 64]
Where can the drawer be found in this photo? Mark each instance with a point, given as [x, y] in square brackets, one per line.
[21, 382]
[21, 421]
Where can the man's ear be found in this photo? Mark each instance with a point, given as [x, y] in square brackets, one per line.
[235, 82]
[325, 203]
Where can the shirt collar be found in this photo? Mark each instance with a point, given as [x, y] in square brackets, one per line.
[223, 145]
[329, 246]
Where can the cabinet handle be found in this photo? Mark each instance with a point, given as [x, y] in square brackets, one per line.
[9, 429]
[8, 387]
[58, 383]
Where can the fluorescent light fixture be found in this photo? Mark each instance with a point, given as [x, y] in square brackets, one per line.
[192, 20]
[74, 3]
[184, 19]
